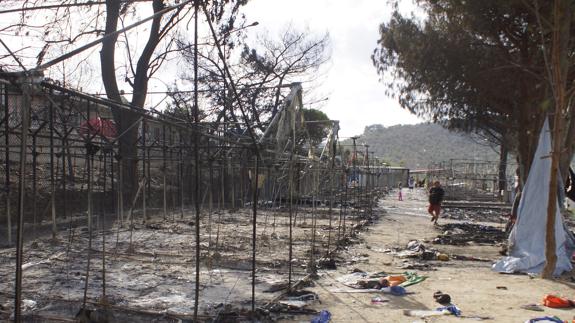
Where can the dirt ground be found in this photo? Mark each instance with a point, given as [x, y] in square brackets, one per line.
[151, 271]
[474, 288]
[158, 274]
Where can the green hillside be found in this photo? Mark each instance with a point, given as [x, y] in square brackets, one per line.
[416, 146]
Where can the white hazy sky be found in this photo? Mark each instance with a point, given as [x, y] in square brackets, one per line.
[356, 97]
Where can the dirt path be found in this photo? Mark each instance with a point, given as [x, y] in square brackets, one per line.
[471, 284]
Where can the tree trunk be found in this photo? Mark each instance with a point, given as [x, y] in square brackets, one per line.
[122, 118]
[559, 68]
[126, 120]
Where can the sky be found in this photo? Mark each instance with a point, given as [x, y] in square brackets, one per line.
[356, 97]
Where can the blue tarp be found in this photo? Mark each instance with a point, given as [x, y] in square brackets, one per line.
[527, 239]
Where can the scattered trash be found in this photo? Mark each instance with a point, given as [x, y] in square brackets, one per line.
[394, 290]
[451, 309]
[557, 302]
[532, 307]
[379, 282]
[465, 233]
[442, 257]
[554, 319]
[299, 299]
[352, 280]
[468, 258]
[370, 283]
[442, 298]
[416, 266]
[28, 305]
[323, 317]
[415, 249]
[412, 279]
[477, 317]
[395, 280]
[276, 286]
[482, 214]
[379, 300]
[353, 290]
[424, 313]
[327, 263]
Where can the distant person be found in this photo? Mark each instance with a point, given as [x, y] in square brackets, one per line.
[421, 183]
[411, 183]
[399, 196]
[436, 194]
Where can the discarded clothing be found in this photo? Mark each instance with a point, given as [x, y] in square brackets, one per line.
[392, 284]
[412, 279]
[353, 280]
[557, 302]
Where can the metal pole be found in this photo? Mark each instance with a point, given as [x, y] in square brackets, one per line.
[34, 184]
[254, 227]
[181, 179]
[21, 199]
[89, 161]
[197, 162]
[52, 179]
[290, 246]
[314, 192]
[7, 160]
[120, 190]
[103, 208]
[144, 194]
[164, 171]
[367, 175]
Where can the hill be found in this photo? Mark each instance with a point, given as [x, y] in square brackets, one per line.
[417, 146]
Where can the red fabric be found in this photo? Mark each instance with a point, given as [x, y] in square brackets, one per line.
[557, 302]
[434, 207]
[98, 126]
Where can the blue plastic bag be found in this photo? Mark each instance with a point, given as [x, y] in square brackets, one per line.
[545, 319]
[323, 317]
[451, 308]
[394, 290]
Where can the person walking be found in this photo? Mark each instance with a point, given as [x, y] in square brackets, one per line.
[400, 196]
[436, 194]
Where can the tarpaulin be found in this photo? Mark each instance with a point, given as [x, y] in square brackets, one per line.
[527, 238]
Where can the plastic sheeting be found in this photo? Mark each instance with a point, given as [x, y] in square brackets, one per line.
[527, 239]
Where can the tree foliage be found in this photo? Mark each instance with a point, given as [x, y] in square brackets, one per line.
[262, 69]
[473, 65]
[317, 126]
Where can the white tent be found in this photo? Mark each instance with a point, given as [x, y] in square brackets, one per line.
[527, 239]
